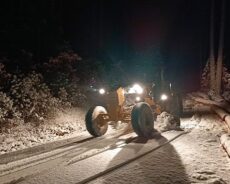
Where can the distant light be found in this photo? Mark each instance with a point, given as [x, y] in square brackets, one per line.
[101, 91]
[164, 97]
[138, 98]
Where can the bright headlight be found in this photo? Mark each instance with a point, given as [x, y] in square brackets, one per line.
[164, 97]
[138, 98]
[102, 91]
[136, 89]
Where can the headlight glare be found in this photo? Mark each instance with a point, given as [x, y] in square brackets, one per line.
[164, 97]
[136, 89]
[138, 98]
[102, 91]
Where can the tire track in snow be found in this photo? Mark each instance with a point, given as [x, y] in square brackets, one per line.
[111, 169]
[73, 149]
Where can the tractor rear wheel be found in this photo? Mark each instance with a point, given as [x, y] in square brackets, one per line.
[142, 119]
[96, 124]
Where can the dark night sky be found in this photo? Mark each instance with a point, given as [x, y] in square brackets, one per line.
[175, 32]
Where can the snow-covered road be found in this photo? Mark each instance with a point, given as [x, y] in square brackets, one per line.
[195, 157]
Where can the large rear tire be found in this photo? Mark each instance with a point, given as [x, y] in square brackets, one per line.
[95, 126]
[142, 119]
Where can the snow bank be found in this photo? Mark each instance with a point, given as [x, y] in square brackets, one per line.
[65, 125]
[166, 121]
[206, 122]
[189, 123]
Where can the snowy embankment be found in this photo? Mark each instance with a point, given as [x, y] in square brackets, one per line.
[204, 159]
[200, 102]
[65, 125]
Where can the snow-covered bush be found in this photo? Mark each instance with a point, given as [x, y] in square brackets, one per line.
[4, 77]
[226, 79]
[72, 94]
[32, 97]
[226, 84]
[7, 109]
[75, 95]
[205, 78]
[61, 70]
[63, 97]
[62, 76]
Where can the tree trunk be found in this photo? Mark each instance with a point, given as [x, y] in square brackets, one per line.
[211, 54]
[220, 51]
[222, 104]
[225, 142]
[223, 115]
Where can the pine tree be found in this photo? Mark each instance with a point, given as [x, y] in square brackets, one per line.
[215, 67]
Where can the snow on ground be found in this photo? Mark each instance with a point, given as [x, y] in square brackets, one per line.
[196, 157]
[65, 125]
[193, 158]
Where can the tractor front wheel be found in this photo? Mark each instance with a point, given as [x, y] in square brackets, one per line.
[96, 122]
[142, 119]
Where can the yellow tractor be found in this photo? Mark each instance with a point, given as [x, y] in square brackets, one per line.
[133, 104]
